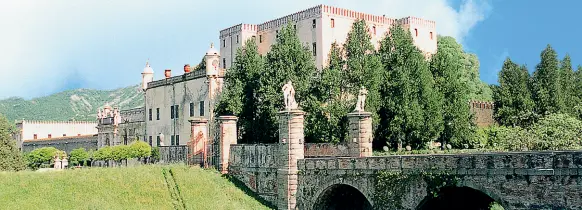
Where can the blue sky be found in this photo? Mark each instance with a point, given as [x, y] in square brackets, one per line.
[50, 46]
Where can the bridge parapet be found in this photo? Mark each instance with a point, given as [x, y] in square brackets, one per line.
[517, 180]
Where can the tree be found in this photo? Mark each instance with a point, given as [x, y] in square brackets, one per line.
[469, 72]
[140, 149]
[240, 96]
[328, 102]
[568, 80]
[410, 111]
[363, 66]
[547, 91]
[10, 158]
[103, 154]
[513, 103]
[288, 60]
[120, 152]
[447, 67]
[78, 156]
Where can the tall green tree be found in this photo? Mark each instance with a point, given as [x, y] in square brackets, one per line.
[363, 66]
[240, 95]
[547, 91]
[447, 67]
[410, 111]
[288, 60]
[568, 80]
[477, 89]
[513, 103]
[10, 158]
[329, 102]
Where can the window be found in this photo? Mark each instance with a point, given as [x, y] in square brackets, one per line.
[237, 39]
[295, 27]
[260, 38]
[313, 24]
[277, 33]
[191, 109]
[416, 32]
[158, 141]
[224, 63]
[150, 115]
[333, 23]
[177, 139]
[201, 107]
[49, 136]
[157, 113]
[171, 112]
[172, 141]
[224, 43]
[34, 136]
[150, 138]
[64, 134]
[314, 49]
[431, 35]
[177, 109]
[374, 30]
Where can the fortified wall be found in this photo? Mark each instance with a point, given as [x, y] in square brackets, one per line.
[67, 143]
[483, 113]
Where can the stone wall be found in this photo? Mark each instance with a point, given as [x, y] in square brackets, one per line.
[173, 154]
[67, 144]
[313, 150]
[534, 180]
[256, 166]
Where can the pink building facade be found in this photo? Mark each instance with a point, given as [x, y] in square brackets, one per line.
[318, 27]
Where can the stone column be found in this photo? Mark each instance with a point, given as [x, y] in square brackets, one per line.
[199, 138]
[57, 164]
[360, 134]
[228, 136]
[291, 139]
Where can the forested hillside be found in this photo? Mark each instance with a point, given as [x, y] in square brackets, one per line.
[79, 104]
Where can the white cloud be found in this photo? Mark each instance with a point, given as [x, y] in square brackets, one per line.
[106, 42]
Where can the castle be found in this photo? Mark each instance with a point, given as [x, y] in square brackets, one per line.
[174, 103]
[320, 26]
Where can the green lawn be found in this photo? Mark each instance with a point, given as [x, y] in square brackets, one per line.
[143, 187]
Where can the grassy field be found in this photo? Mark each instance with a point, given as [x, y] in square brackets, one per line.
[144, 187]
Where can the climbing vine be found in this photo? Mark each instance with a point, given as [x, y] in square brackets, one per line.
[391, 186]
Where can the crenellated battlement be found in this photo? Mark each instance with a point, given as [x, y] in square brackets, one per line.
[237, 29]
[417, 21]
[481, 104]
[357, 15]
[54, 122]
[295, 17]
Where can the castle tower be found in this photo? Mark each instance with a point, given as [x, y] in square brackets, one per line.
[146, 76]
[212, 58]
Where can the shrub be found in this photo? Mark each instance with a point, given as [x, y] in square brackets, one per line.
[155, 155]
[140, 149]
[103, 154]
[557, 132]
[78, 156]
[120, 152]
[41, 156]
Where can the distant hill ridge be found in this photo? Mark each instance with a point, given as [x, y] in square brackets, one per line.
[79, 104]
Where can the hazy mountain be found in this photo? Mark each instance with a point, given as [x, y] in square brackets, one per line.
[78, 104]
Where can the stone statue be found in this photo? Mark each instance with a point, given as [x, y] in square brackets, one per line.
[361, 103]
[289, 96]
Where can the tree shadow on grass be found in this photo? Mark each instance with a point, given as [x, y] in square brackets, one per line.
[239, 184]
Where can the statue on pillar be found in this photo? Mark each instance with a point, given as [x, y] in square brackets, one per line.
[361, 103]
[289, 96]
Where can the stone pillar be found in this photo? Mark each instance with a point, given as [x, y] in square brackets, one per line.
[360, 134]
[199, 139]
[228, 136]
[291, 148]
[58, 162]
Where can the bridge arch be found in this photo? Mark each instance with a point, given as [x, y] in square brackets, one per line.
[462, 196]
[339, 194]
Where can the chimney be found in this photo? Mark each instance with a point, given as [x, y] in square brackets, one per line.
[187, 68]
[168, 73]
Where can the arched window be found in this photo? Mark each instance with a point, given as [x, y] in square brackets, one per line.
[416, 32]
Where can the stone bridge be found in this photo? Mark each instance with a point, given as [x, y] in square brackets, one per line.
[292, 174]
